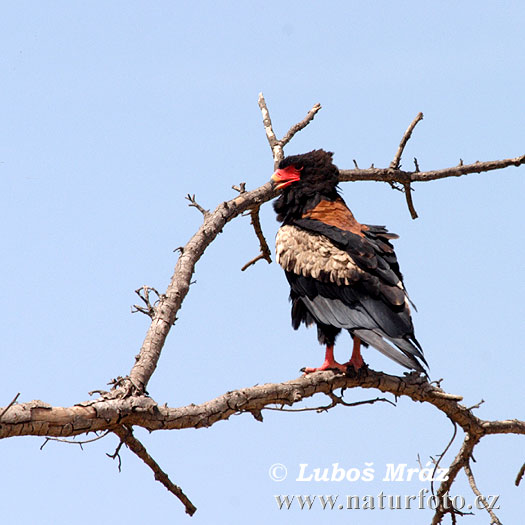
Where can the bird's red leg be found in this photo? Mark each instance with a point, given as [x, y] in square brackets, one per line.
[356, 360]
[329, 362]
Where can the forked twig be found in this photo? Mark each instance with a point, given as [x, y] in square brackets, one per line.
[275, 144]
[194, 204]
[395, 164]
[143, 292]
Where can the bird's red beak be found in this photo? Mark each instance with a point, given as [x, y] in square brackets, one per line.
[284, 177]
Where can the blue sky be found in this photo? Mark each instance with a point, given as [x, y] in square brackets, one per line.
[112, 112]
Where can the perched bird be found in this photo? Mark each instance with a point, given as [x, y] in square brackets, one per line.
[342, 274]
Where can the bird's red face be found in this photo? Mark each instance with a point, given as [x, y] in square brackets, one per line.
[285, 176]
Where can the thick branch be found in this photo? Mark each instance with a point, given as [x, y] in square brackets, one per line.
[171, 301]
[39, 419]
[403, 177]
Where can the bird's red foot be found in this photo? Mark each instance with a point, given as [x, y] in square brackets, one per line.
[329, 363]
[356, 361]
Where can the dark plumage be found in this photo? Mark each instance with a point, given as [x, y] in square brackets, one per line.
[342, 274]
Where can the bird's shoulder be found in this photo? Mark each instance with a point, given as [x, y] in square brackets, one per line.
[336, 214]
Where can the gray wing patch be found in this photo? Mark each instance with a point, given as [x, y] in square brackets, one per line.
[335, 313]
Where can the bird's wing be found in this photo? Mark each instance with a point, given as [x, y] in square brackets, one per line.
[349, 279]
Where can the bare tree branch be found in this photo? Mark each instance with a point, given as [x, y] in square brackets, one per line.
[410, 203]
[462, 458]
[193, 203]
[275, 144]
[406, 137]
[300, 125]
[389, 175]
[265, 254]
[126, 436]
[442, 455]
[40, 419]
[474, 487]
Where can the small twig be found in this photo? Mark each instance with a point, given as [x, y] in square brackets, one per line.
[355, 164]
[410, 203]
[263, 245]
[397, 158]
[395, 185]
[193, 203]
[336, 400]
[442, 455]
[416, 164]
[97, 391]
[477, 405]
[300, 125]
[277, 150]
[71, 442]
[520, 475]
[125, 386]
[474, 487]
[126, 436]
[116, 454]
[9, 406]
[253, 261]
[241, 188]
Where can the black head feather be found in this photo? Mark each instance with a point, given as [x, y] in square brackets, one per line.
[318, 179]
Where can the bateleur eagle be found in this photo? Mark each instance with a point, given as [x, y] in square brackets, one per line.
[342, 274]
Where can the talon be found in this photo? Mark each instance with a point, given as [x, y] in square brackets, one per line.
[356, 361]
[351, 371]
